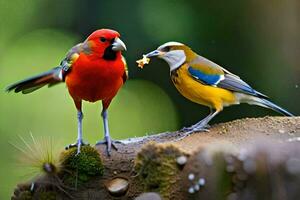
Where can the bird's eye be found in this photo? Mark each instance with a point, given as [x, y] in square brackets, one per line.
[102, 39]
[166, 49]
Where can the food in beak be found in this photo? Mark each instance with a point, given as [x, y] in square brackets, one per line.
[144, 61]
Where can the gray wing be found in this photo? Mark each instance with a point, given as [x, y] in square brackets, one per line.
[234, 83]
[230, 81]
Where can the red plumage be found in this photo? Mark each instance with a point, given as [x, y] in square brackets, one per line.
[93, 70]
[93, 78]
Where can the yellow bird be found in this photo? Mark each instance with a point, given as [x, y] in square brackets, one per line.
[204, 82]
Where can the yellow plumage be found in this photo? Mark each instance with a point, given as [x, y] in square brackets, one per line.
[193, 90]
[205, 82]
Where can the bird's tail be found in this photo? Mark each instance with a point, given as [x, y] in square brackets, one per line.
[243, 98]
[273, 106]
[33, 83]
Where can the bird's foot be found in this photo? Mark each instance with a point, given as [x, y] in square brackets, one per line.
[109, 144]
[78, 144]
[195, 128]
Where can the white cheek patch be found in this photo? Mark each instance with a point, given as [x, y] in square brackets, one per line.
[174, 58]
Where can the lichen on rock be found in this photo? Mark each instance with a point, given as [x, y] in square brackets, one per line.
[157, 168]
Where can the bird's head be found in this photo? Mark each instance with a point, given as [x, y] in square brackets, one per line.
[106, 43]
[174, 53]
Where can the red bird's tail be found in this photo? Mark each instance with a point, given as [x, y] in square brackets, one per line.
[33, 83]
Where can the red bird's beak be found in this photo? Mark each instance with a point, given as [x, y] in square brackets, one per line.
[118, 45]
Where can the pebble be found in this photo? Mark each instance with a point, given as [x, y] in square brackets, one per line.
[201, 181]
[191, 190]
[117, 186]
[191, 177]
[181, 160]
[149, 196]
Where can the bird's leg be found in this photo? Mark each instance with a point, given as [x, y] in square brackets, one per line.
[79, 131]
[204, 123]
[189, 129]
[107, 139]
[201, 125]
[79, 142]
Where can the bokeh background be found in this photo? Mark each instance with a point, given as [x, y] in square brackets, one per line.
[258, 40]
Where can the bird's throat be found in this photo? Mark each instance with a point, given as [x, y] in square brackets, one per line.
[109, 54]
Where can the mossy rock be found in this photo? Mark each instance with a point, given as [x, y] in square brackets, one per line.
[24, 195]
[47, 195]
[78, 169]
[157, 168]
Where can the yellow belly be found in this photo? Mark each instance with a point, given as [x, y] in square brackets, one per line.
[197, 92]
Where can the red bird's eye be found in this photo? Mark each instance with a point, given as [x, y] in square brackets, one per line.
[102, 39]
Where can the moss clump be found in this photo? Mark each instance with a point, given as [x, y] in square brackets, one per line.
[24, 195]
[157, 169]
[47, 195]
[80, 168]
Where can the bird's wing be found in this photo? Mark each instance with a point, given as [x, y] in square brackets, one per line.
[71, 57]
[205, 71]
[51, 77]
[209, 73]
[125, 75]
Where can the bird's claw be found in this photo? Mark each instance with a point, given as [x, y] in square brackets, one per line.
[195, 128]
[109, 144]
[82, 143]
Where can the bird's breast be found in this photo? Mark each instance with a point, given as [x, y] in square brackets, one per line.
[198, 92]
[95, 80]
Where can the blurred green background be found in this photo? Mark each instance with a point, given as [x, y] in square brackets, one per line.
[258, 40]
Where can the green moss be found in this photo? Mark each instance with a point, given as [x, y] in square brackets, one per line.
[78, 169]
[25, 195]
[47, 195]
[157, 169]
[223, 178]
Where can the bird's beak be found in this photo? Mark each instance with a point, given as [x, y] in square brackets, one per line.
[154, 54]
[118, 45]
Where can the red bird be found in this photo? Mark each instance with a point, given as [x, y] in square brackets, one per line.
[93, 70]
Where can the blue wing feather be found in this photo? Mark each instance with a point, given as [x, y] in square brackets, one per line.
[226, 81]
[209, 79]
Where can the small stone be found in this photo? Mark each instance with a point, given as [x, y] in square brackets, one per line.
[117, 186]
[201, 181]
[242, 156]
[149, 196]
[293, 139]
[249, 166]
[191, 190]
[197, 187]
[281, 131]
[191, 177]
[181, 160]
